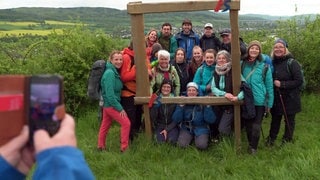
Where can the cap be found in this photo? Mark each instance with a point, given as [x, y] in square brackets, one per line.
[186, 21]
[192, 84]
[208, 25]
[225, 32]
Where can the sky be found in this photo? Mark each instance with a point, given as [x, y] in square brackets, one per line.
[266, 7]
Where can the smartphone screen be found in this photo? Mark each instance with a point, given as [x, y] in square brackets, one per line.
[45, 96]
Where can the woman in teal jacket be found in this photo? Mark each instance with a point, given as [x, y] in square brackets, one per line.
[204, 73]
[260, 80]
[111, 87]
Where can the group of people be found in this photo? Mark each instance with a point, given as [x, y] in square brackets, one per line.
[184, 65]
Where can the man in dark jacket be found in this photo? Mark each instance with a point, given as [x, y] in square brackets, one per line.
[226, 42]
[209, 39]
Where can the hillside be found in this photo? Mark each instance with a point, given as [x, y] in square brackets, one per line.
[117, 22]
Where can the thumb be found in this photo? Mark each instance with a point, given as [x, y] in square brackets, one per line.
[40, 137]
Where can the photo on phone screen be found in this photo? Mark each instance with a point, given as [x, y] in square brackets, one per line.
[45, 96]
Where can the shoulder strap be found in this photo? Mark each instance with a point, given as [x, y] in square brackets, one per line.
[264, 72]
[289, 62]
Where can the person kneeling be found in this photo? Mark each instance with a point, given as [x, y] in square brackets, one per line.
[194, 121]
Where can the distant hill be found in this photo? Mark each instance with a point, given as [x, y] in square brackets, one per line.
[116, 21]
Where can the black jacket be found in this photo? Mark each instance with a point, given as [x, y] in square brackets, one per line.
[211, 42]
[183, 72]
[289, 91]
[243, 47]
[161, 115]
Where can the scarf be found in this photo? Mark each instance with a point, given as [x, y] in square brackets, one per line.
[223, 69]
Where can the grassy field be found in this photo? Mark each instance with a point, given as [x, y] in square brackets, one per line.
[32, 28]
[148, 160]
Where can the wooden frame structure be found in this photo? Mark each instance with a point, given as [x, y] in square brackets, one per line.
[137, 10]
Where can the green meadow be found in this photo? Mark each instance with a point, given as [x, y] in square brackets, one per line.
[147, 160]
[33, 28]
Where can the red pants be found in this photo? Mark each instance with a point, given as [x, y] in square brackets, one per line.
[110, 114]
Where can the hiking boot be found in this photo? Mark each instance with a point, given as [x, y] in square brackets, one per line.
[269, 142]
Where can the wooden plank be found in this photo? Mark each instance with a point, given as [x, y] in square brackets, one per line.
[186, 6]
[235, 54]
[208, 100]
[142, 78]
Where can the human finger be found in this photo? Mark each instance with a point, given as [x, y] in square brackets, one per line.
[19, 141]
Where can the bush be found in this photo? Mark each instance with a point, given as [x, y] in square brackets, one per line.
[69, 54]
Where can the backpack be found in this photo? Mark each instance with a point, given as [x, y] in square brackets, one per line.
[303, 85]
[248, 110]
[94, 85]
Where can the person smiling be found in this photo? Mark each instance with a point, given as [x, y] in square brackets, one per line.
[252, 69]
[161, 116]
[111, 86]
[287, 101]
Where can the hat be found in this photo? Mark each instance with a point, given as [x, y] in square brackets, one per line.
[282, 41]
[167, 81]
[192, 84]
[208, 25]
[255, 42]
[186, 21]
[225, 32]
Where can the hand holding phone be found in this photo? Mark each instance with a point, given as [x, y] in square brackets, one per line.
[45, 95]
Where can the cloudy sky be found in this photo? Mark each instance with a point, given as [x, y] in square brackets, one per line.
[268, 7]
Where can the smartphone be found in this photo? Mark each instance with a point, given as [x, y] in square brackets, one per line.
[45, 94]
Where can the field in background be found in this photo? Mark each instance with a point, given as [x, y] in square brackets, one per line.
[33, 28]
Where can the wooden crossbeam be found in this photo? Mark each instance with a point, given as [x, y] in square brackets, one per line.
[204, 100]
[186, 6]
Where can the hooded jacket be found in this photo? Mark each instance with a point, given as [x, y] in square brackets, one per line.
[111, 87]
[203, 77]
[289, 88]
[194, 118]
[262, 87]
[187, 42]
[172, 44]
[211, 42]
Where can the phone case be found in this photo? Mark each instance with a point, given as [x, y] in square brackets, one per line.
[13, 110]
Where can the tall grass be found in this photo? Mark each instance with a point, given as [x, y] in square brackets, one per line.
[148, 160]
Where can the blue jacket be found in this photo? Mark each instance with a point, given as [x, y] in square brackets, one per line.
[187, 42]
[203, 77]
[56, 163]
[194, 118]
[262, 87]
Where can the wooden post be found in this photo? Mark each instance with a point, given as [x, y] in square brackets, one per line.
[142, 78]
[236, 79]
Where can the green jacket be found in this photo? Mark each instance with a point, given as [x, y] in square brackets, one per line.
[111, 86]
[173, 45]
[158, 76]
